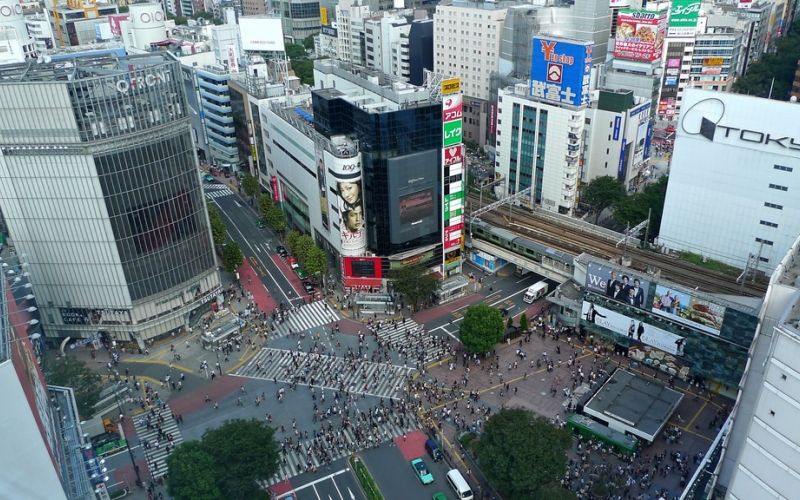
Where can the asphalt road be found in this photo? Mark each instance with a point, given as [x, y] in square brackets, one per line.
[339, 483]
[397, 481]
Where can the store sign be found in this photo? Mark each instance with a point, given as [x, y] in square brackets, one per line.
[453, 154]
[451, 133]
[640, 35]
[683, 17]
[452, 108]
[233, 63]
[328, 31]
[560, 71]
[713, 61]
[148, 80]
[451, 86]
[276, 195]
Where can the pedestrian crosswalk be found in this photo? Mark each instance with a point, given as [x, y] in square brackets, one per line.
[329, 372]
[217, 191]
[304, 318]
[413, 340]
[312, 452]
[156, 450]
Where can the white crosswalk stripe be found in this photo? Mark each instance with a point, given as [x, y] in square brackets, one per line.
[304, 318]
[418, 344]
[218, 192]
[329, 372]
[157, 457]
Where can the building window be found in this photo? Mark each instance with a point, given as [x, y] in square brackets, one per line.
[766, 242]
[784, 168]
[768, 224]
[763, 259]
[772, 205]
[780, 188]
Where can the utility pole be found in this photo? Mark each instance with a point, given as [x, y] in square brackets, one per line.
[647, 227]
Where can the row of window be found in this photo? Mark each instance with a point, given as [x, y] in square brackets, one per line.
[783, 167]
[778, 187]
[766, 242]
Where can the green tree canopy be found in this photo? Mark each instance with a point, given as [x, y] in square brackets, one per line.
[417, 283]
[304, 70]
[68, 371]
[265, 203]
[633, 209]
[250, 185]
[191, 473]
[774, 72]
[295, 51]
[302, 248]
[316, 261]
[291, 239]
[602, 192]
[523, 322]
[232, 258]
[481, 329]
[275, 218]
[225, 463]
[219, 231]
[208, 17]
[308, 42]
[521, 452]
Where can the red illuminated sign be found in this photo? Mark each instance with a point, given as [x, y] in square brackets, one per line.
[454, 155]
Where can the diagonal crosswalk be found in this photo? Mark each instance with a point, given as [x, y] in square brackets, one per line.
[156, 453]
[329, 372]
[304, 318]
[411, 339]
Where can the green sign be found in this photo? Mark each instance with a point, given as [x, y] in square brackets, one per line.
[684, 13]
[451, 133]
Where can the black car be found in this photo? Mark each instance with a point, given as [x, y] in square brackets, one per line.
[503, 311]
[282, 251]
[309, 287]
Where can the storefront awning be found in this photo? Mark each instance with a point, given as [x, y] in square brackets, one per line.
[362, 282]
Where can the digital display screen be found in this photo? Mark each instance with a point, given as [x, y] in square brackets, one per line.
[416, 206]
[363, 268]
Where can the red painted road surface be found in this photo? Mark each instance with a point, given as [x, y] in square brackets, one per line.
[447, 309]
[291, 277]
[254, 285]
[413, 446]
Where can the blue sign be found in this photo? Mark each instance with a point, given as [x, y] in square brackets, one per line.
[561, 70]
[621, 168]
[617, 126]
[647, 141]
[671, 81]
[641, 109]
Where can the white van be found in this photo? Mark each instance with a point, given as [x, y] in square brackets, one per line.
[459, 485]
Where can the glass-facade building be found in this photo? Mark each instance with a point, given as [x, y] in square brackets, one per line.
[100, 189]
[215, 99]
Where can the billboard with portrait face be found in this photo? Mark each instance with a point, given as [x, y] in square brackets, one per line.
[620, 286]
[351, 212]
[689, 310]
[636, 331]
[322, 181]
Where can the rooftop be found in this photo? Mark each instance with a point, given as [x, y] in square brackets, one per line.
[81, 66]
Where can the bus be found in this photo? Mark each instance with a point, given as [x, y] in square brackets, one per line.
[621, 444]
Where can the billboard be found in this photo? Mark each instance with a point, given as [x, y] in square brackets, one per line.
[416, 206]
[233, 59]
[640, 35]
[641, 139]
[683, 17]
[362, 267]
[351, 211]
[261, 34]
[670, 81]
[636, 331]
[413, 198]
[322, 181]
[626, 288]
[561, 70]
[451, 108]
[451, 86]
[453, 154]
[689, 310]
[451, 133]
[114, 22]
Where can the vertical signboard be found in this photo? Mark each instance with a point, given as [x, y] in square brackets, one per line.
[322, 181]
[350, 203]
[233, 59]
[683, 17]
[561, 70]
[453, 177]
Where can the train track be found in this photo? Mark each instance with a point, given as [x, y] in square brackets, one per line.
[571, 240]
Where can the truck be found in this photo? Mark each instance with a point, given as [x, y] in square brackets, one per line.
[535, 292]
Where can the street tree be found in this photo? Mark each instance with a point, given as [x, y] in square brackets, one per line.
[244, 451]
[68, 371]
[602, 192]
[481, 329]
[304, 70]
[250, 185]
[316, 261]
[773, 74]
[295, 51]
[302, 248]
[510, 323]
[523, 322]
[634, 209]
[232, 258]
[416, 283]
[308, 42]
[275, 218]
[522, 453]
[265, 203]
[191, 473]
[291, 239]
[219, 231]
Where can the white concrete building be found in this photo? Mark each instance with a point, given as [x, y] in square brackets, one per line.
[734, 184]
[386, 43]
[351, 17]
[467, 40]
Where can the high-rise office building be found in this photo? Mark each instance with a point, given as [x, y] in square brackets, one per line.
[99, 186]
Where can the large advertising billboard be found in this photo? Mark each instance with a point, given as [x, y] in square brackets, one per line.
[641, 140]
[622, 287]
[349, 202]
[114, 23]
[362, 267]
[683, 17]
[413, 196]
[561, 70]
[452, 178]
[636, 331]
[452, 108]
[261, 34]
[322, 181]
[451, 133]
[640, 35]
[689, 310]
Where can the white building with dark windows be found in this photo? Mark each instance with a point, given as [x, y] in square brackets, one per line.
[99, 187]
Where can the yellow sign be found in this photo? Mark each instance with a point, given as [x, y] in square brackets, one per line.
[451, 86]
[323, 14]
[713, 61]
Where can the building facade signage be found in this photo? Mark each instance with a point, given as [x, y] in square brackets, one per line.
[452, 176]
[142, 81]
[640, 35]
[561, 71]
[683, 17]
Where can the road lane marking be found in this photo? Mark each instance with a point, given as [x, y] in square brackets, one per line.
[325, 478]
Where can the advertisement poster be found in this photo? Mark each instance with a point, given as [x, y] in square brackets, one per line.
[561, 71]
[641, 139]
[322, 180]
[636, 331]
[640, 35]
[683, 17]
[626, 288]
[351, 212]
[452, 107]
[691, 311]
